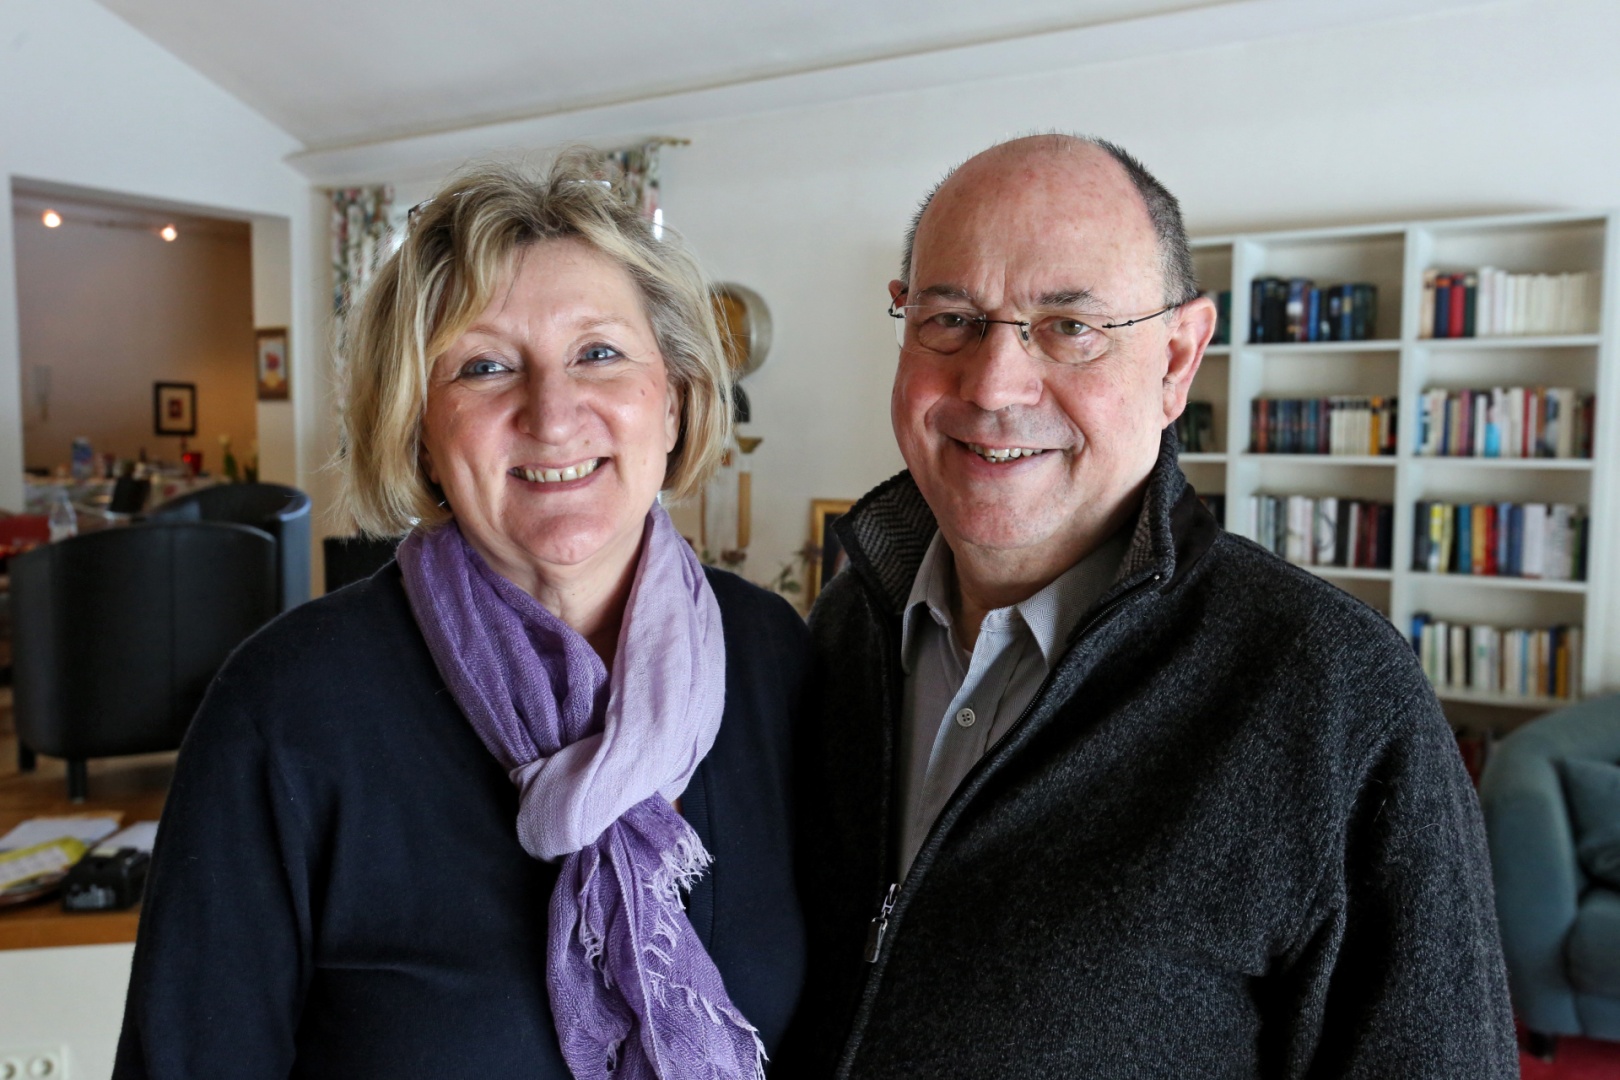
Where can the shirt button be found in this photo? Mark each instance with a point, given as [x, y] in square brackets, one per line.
[965, 718]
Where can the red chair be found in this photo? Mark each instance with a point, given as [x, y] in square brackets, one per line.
[15, 528]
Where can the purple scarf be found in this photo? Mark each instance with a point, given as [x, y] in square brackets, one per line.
[597, 759]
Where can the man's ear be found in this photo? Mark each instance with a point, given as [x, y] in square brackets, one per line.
[1189, 336]
[897, 289]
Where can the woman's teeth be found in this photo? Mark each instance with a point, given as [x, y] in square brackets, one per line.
[552, 476]
[1008, 454]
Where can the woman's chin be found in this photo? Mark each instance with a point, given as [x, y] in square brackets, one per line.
[576, 542]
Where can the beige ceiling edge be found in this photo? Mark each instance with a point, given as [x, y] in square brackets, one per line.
[1198, 28]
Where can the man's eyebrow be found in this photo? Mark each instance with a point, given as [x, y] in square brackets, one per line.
[1071, 298]
[945, 292]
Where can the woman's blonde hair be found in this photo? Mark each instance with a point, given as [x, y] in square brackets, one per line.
[458, 249]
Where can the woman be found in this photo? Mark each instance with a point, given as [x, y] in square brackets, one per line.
[454, 820]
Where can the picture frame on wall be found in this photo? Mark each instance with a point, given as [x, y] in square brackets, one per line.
[829, 555]
[274, 374]
[174, 408]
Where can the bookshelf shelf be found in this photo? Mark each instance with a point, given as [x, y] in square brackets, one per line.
[1349, 573]
[1539, 703]
[1383, 461]
[1506, 701]
[1397, 362]
[1298, 348]
[1548, 463]
[1498, 581]
[1562, 341]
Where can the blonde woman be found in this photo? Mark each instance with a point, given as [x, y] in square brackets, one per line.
[517, 805]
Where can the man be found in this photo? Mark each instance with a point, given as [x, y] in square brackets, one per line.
[1094, 788]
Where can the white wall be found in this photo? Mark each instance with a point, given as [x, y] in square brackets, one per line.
[69, 998]
[111, 310]
[91, 103]
[1491, 107]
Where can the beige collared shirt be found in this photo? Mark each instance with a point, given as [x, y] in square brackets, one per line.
[959, 703]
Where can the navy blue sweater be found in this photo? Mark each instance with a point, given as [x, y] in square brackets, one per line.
[338, 889]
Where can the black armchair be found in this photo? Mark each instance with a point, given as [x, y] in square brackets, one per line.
[116, 634]
[281, 511]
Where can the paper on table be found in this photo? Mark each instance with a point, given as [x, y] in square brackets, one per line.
[41, 830]
[140, 836]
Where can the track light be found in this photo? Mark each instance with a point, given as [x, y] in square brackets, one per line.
[51, 219]
[169, 233]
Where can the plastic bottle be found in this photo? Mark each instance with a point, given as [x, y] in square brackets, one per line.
[84, 459]
[64, 521]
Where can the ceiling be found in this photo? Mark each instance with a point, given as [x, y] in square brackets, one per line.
[78, 206]
[339, 73]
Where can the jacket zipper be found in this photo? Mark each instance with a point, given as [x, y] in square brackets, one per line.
[879, 927]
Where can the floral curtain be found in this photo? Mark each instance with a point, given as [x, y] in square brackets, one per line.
[360, 235]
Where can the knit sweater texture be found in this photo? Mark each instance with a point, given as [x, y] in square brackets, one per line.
[1231, 837]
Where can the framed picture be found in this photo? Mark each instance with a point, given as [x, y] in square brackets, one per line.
[273, 364]
[174, 408]
[829, 556]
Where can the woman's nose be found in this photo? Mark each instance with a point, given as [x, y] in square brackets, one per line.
[551, 405]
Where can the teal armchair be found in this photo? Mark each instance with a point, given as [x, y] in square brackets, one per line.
[1560, 928]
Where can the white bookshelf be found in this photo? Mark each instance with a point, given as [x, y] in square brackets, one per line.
[1399, 363]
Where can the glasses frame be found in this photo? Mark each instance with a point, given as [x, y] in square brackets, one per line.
[1020, 326]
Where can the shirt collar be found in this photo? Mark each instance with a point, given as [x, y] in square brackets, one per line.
[930, 596]
[1051, 614]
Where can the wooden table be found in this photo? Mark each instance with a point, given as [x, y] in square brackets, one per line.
[134, 785]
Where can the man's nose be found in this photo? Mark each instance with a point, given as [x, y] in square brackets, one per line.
[1000, 371]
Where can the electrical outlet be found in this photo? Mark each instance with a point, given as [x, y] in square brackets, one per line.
[34, 1063]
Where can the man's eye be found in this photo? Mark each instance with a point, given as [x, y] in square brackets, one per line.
[599, 354]
[1069, 327]
[950, 320]
[484, 366]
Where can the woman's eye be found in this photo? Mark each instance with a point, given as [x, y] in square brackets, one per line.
[598, 354]
[484, 366]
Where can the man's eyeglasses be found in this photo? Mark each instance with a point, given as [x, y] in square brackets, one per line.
[1062, 337]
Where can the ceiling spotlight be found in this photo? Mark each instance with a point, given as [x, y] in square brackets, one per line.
[169, 233]
[51, 219]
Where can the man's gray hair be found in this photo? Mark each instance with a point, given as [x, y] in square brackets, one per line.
[1175, 257]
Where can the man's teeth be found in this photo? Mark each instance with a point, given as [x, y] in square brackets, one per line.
[1007, 454]
[552, 476]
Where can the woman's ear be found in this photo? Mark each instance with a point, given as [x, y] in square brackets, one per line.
[672, 418]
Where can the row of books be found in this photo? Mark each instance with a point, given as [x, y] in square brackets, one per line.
[1509, 422]
[1295, 309]
[1195, 428]
[1494, 303]
[1323, 531]
[1532, 540]
[1331, 425]
[1530, 662]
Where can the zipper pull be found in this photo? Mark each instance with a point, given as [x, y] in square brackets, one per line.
[880, 926]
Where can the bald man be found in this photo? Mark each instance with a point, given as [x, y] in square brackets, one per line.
[1092, 787]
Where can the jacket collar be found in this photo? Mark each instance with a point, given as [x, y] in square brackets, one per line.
[887, 533]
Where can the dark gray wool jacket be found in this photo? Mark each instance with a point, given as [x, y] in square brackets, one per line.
[1230, 837]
